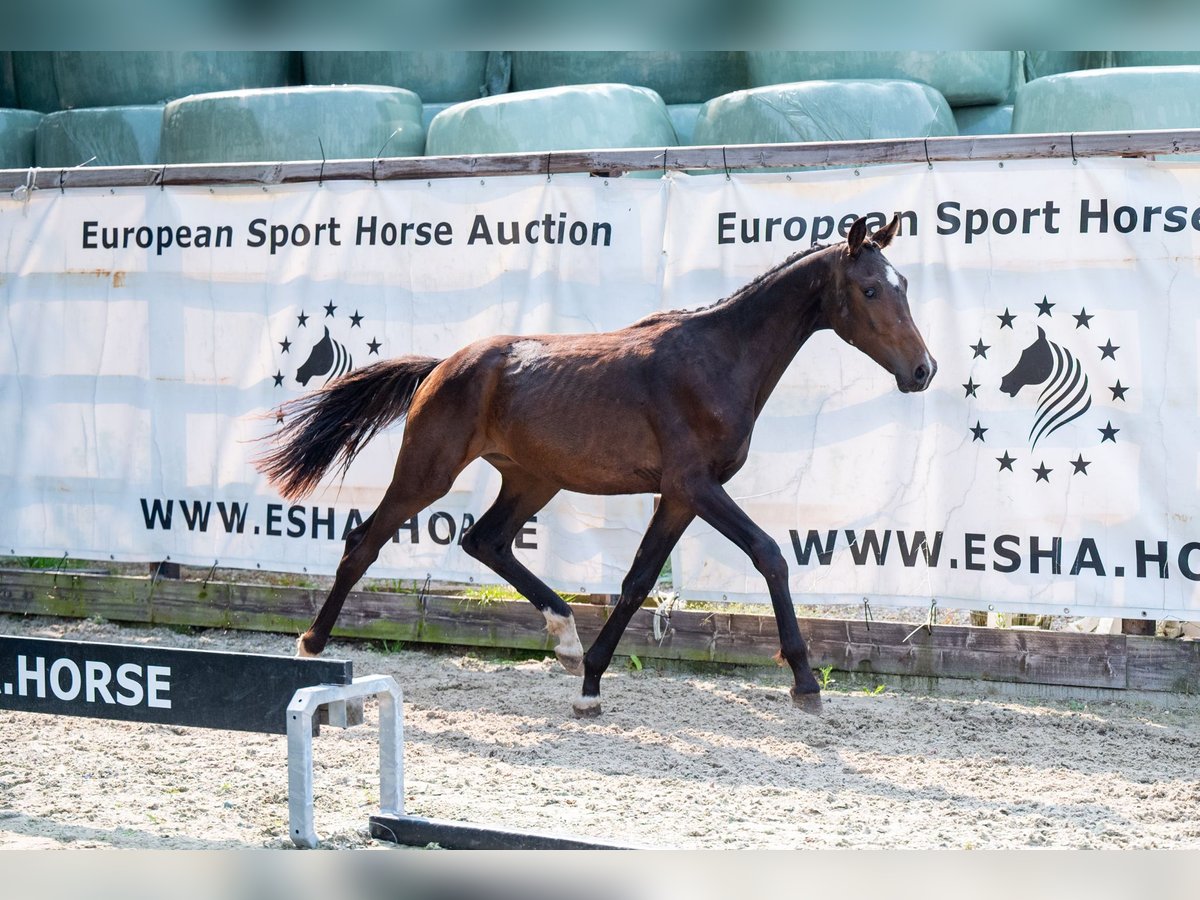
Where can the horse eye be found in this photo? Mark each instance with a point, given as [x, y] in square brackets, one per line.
[870, 292]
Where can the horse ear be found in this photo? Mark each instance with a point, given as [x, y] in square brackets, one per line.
[858, 234]
[1041, 333]
[884, 235]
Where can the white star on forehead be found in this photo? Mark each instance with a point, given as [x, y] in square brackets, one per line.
[893, 276]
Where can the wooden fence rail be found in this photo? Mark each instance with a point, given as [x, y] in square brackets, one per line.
[615, 162]
[1120, 662]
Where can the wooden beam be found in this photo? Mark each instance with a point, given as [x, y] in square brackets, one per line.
[883, 648]
[165, 570]
[1145, 627]
[819, 154]
[415, 831]
[1157, 664]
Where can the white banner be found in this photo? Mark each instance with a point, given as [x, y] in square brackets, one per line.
[1074, 490]
[149, 331]
[146, 332]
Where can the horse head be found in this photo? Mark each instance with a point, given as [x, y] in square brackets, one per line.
[1034, 366]
[868, 308]
[320, 360]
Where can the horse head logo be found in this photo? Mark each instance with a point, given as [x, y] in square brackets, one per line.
[1065, 397]
[1034, 366]
[327, 357]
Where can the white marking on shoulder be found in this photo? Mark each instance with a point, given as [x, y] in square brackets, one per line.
[893, 276]
[525, 352]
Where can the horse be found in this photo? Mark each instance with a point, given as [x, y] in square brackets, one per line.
[666, 406]
[327, 357]
[1064, 399]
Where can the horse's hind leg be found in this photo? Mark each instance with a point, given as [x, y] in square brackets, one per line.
[425, 471]
[362, 548]
[490, 541]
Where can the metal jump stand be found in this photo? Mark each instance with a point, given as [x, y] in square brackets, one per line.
[392, 824]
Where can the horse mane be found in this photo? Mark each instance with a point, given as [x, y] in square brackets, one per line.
[761, 279]
[748, 288]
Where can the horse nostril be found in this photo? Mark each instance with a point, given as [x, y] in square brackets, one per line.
[921, 374]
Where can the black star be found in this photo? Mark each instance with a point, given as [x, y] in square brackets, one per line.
[1081, 320]
[980, 349]
[978, 431]
[285, 344]
[970, 387]
[278, 376]
[1006, 461]
[1080, 465]
[374, 346]
[1044, 308]
[355, 320]
[303, 319]
[1006, 320]
[1118, 390]
[1110, 433]
[329, 308]
[1043, 474]
[1108, 351]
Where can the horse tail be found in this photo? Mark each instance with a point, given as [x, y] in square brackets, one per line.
[334, 423]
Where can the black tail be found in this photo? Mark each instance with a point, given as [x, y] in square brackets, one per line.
[334, 423]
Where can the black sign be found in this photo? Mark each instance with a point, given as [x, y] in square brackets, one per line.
[198, 688]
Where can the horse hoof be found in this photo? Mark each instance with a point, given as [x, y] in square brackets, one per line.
[810, 703]
[586, 708]
[573, 664]
[302, 650]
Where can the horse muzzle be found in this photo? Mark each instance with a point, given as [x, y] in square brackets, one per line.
[920, 376]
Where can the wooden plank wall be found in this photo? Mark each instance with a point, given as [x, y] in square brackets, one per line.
[1120, 662]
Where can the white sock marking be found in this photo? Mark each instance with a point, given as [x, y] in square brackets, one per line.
[563, 628]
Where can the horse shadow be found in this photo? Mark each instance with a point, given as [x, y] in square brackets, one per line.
[751, 737]
[57, 832]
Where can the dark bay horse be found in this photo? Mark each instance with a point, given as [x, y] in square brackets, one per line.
[666, 406]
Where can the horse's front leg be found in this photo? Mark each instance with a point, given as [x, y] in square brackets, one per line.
[717, 508]
[666, 526]
[490, 541]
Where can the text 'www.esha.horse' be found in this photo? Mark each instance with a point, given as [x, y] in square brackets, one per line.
[666, 405]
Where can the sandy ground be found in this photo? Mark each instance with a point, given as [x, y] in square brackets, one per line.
[678, 760]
